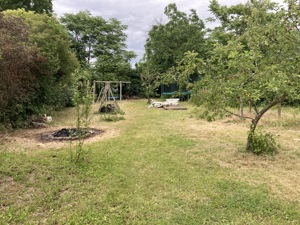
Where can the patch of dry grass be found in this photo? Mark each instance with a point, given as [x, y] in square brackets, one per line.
[224, 141]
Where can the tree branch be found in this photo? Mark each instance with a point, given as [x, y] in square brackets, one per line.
[243, 117]
[255, 106]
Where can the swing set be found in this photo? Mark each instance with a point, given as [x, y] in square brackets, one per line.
[106, 94]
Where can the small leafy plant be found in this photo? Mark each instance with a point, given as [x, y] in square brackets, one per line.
[112, 116]
[263, 143]
[83, 99]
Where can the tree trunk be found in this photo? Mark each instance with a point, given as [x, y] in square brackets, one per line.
[279, 109]
[250, 107]
[256, 120]
[241, 107]
[241, 102]
[149, 100]
[251, 132]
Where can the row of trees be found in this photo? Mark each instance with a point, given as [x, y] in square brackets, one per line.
[39, 55]
[252, 58]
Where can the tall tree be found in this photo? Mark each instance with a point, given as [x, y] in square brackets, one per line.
[87, 32]
[258, 66]
[100, 42]
[113, 61]
[38, 6]
[150, 80]
[168, 42]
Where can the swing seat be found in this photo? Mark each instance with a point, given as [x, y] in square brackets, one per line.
[112, 98]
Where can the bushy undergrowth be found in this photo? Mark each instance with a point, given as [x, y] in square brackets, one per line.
[114, 116]
[263, 143]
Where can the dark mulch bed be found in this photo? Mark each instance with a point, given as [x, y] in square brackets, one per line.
[67, 134]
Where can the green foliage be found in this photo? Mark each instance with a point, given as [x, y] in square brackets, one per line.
[43, 64]
[185, 73]
[209, 115]
[114, 116]
[168, 42]
[112, 68]
[135, 88]
[38, 6]
[99, 42]
[84, 36]
[52, 40]
[262, 143]
[150, 80]
[248, 67]
[17, 81]
[111, 117]
[83, 100]
[100, 46]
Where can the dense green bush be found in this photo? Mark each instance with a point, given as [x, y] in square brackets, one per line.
[36, 66]
[17, 78]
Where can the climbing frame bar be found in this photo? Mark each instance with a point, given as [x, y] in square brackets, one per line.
[110, 82]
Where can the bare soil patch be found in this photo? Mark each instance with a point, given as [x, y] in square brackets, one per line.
[28, 140]
[67, 134]
[34, 139]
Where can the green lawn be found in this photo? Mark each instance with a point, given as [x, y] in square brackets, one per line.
[155, 167]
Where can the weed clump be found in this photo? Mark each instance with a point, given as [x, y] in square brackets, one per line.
[114, 116]
[263, 143]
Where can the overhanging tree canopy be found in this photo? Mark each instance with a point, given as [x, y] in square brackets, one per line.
[259, 65]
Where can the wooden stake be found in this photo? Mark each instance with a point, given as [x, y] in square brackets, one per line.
[94, 93]
[121, 83]
[279, 110]
[241, 106]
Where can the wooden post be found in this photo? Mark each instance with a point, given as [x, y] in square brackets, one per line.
[250, 107]
[108, 92]
[108, 83]
[279, 110]
[94, 92]
[241, 102]
[241, 106]
[121, 90]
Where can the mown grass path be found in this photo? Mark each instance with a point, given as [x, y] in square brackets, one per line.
[160, 167]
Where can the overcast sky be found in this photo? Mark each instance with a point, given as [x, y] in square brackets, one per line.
[138, 15]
